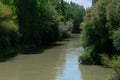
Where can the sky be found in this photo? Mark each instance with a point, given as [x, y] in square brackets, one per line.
[85, 3]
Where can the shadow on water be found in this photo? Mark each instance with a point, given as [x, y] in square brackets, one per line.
[39, 50]
[8, 57]
[32, 50]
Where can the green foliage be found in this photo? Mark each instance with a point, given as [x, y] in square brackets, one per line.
[113, 62]
[94, 1]
[75, 12]
[9, 31]
[116, 39]
[86, 58]
[90, 57]
[10, 4]
[106, 60]
[101, 30]
[41, 22]
[96, 32]
[113, 17]
[5, 12]
[49, 24]
[28, 20]
[62, 18]
[62, 7]
[65, 29]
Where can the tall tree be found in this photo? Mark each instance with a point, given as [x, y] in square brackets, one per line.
[27, 19]
[62, 8]
[94, 1]
[100, 22]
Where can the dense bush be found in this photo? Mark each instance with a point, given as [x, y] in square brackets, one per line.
[65, 29]
[113, 62]
[116, 39]
[50, 24]
[87, 58]
[9, 31]
[113, 17]
[101, 29]
[95, 34]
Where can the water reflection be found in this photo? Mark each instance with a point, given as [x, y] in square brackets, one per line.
[70, 69]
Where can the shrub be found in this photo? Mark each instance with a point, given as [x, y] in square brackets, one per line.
[5, 12]
[96, 30]
[9, 31]
[113, 61]
[62, 18]
[116, 39]
[65, 29]
[86, 58]
[50, 25]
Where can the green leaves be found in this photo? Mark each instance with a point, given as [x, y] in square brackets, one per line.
[75, 12]
[116, 39]
[101, 27]
[5, 12]
[113, 17]
[9, 31]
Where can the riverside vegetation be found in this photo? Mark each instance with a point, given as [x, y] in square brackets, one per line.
[33, 23]
[101, 35]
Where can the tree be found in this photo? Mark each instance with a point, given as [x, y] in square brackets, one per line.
[95, 35]
[94, 1]
[27, 13]
[75, 12]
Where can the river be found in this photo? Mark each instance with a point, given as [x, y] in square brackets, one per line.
[59, 62]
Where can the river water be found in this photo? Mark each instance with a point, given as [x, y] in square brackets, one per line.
[59, 62]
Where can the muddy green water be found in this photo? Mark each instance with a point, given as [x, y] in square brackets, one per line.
[56, 63]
